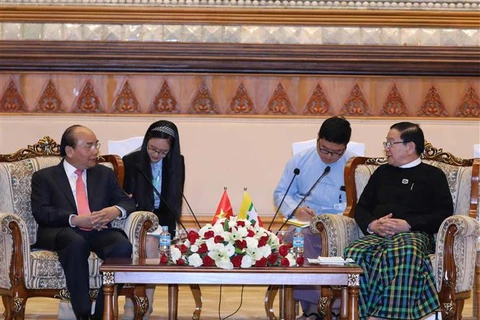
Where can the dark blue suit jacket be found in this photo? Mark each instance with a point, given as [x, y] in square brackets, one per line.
[53, 201]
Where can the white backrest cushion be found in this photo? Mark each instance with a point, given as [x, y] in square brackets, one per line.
[476, 150]
[123, 147]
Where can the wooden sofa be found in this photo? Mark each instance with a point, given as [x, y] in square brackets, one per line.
[26, 273]
[454, 259]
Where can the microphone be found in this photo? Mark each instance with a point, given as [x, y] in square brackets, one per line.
[290, 216]
[188, 204]
[161, 198]
[295, 173]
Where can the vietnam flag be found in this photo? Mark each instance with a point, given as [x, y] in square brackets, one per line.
[248, 211]
[224, 209]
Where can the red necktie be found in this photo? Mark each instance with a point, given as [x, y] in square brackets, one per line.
[82, 201]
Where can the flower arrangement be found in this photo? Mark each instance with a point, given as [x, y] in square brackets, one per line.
[232, 243]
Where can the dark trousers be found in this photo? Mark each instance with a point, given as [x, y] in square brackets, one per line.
[73, 247]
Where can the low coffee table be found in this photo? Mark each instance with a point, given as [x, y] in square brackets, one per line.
[148, 271]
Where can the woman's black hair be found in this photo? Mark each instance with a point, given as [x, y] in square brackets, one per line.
[172, 163]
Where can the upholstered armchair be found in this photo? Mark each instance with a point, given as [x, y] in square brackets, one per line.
[454, 258]
[24, 272]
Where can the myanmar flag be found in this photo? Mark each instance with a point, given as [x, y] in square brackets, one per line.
[248, 211]
[224, 209]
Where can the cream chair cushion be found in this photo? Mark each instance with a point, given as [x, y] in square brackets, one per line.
[126, 146]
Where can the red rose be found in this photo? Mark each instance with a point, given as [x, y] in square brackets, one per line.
[300, 260]
[237, 261]
[180, 262]
[163, 259]
[283, 250]
[250, 233]
[202, 248]
[209, 234]
[262, 241]
[261, 263]
[241, 244]
[192, 236]
[183, 248]
[207, 261]
[218, 239]
[284, 262]
[240, 223]
[272, 258]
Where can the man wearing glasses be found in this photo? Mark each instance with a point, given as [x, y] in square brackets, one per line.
[73, 204]
[399, 211]
[310, 195]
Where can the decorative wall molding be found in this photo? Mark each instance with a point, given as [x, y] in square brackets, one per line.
[236, 58]
[237, 95]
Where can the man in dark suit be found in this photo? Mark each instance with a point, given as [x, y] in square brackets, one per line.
[74, 204]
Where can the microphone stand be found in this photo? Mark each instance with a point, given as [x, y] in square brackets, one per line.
[188, 204]
[295, 173]
[162, 199]
[290, 216]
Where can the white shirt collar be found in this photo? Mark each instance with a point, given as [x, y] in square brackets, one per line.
[69, 169]
[412, 164]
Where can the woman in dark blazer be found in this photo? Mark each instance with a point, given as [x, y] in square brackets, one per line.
[155, 177]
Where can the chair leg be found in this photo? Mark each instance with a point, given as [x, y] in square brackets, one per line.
[459, 309]
[197, 296]
[476, 290]
[269, 299]
[14, 308]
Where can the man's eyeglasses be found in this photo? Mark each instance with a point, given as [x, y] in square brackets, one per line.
[331, 153]
[93, 146]
[389, 144]
[155, 150]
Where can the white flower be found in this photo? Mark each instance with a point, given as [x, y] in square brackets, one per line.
[265, 251]
[254, 252]
[252, 243]
[195, 260]
[218, 229]
[224, 264]
[194, 248]
[238, 233]
[291, 259]
[175, 254]
[246, 262]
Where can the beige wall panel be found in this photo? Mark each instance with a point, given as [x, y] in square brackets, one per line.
[232, 152]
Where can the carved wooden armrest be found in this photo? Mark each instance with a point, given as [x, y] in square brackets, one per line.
[455, 253]
[336, 231]
[136, 226]
[14, 246]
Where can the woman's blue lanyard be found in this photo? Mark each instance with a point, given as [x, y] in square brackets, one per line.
[157, 181]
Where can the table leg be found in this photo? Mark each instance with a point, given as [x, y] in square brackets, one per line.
[353, 303]
[108, 296]
[281, 304]
[289, 303]
[172, 301]
[344, 304]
